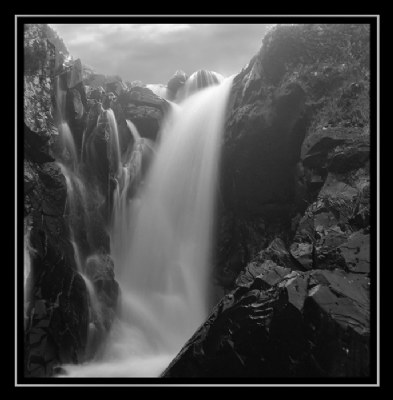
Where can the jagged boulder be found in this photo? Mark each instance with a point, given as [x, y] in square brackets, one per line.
[279, 323]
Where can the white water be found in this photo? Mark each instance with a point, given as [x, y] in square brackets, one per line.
[28, 253]
[161, 243]
[197, 81]
[76, 191]
[67, 140]
[114, 141]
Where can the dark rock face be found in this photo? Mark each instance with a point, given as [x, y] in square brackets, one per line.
[57, 309]
[297, 130]
[279, 323]
[293, 247]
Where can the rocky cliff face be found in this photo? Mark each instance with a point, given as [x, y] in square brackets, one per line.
[57, 306]
[56, 310]
[293, 245]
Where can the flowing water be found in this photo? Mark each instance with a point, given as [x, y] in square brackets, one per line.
[28, 253]
[76, 189]
[162, 238]
[197, 81]
[114, 144]
[69, 153]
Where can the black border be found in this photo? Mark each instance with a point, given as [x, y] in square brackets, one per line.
[372, 20]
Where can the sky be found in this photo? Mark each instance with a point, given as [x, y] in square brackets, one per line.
[152, 53]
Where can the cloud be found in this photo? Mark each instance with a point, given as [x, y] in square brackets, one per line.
[153, 52]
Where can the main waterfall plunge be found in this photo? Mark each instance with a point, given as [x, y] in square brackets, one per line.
[161, 240]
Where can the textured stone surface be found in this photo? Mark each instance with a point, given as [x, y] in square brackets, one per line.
[297, 145]
[144, 108]
[298, 324]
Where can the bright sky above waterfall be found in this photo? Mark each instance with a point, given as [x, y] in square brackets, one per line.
[153, 52]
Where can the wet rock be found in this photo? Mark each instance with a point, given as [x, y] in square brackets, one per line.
[257, 344]
[268, 272]
[144, 108]
[37, 145]
[260, 149]
[146, 119]
[75, 74]
[175, 83]
[297, 284]
[96, 94]
[303, 253]
[277, 252]
[76, 113]
[39, 65]
[303, 324]
[337, 316]
[96, 157]
[356, 252]
[76, 105]
[30, 178]
[100, 270]
[115, 87]
[297, 133]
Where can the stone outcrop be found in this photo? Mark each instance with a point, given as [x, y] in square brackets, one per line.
[278, 323]
[143, 108]
[175, 83]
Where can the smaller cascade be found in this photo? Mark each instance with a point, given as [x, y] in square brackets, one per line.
[26, 255]
[197, 81]
[133, 169]
[69, 154]
[114, 142]
[133, 129]
[28, 252]
[76, 194]
[68, 143]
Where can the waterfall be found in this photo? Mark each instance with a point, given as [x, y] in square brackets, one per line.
[162, 238]
[197, 81]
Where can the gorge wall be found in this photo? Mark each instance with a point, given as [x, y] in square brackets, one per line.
[293, 228]
[293, 247]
